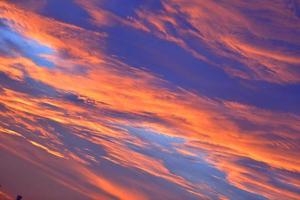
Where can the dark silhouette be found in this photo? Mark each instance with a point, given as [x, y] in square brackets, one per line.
[19, 197]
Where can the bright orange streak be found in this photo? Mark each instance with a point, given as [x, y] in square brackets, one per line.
[47, 149]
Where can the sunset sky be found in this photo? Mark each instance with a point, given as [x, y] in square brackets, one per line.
[150, 99]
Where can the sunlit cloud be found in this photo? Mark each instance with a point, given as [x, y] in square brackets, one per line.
[95, 124]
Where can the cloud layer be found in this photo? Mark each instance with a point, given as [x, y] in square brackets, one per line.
[150, 100]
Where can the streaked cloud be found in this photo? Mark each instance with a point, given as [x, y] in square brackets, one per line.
[95, 125]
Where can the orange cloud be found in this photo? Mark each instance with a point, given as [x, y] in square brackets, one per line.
[224, 29]
[223, 129]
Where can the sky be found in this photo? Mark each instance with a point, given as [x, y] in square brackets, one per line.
[150, 99]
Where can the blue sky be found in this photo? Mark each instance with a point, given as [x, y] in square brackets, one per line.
[162, 99]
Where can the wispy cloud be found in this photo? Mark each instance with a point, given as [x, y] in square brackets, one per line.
[95, 125]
